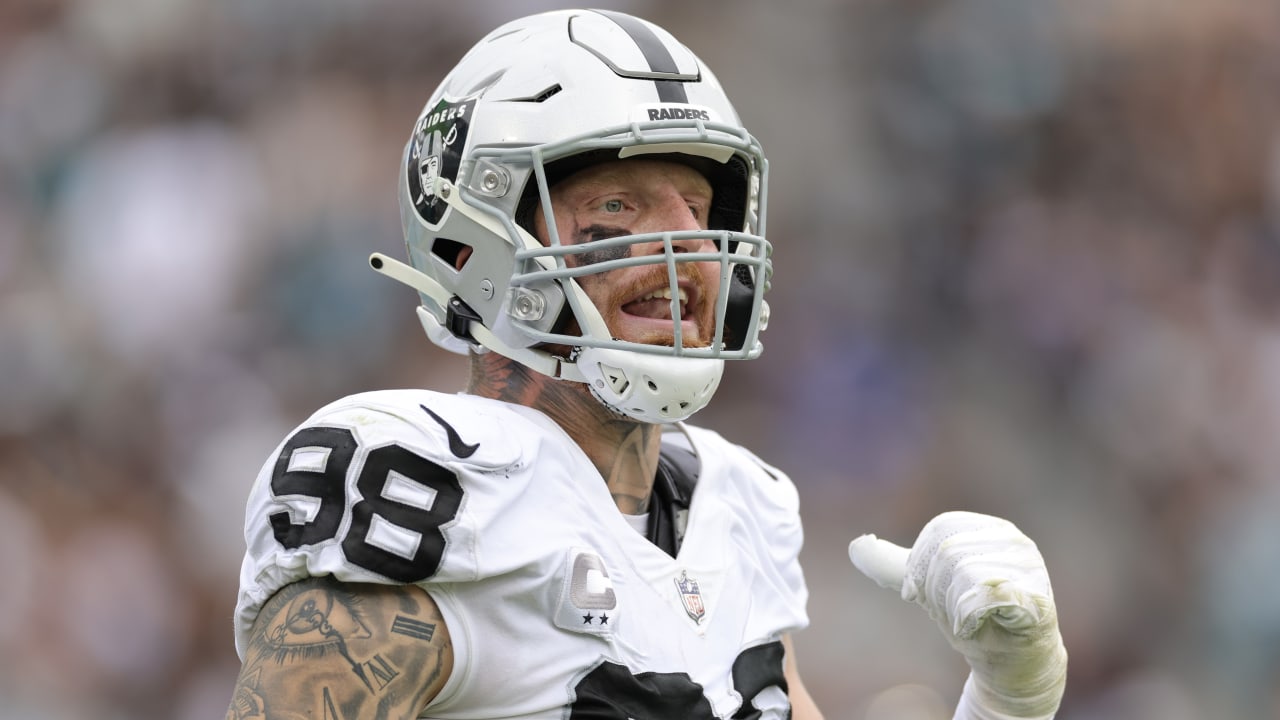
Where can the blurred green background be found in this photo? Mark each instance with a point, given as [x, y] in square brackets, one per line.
[1027, 263]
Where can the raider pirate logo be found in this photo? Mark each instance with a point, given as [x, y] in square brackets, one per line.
[438, 141]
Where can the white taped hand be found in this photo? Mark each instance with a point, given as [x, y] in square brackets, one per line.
[986, 585]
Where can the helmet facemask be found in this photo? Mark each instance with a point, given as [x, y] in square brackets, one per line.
[664, 380]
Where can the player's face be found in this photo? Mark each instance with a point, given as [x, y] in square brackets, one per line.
[630, 197]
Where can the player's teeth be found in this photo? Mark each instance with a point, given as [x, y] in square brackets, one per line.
[665, 294]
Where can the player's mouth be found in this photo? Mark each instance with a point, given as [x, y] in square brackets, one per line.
[656, 305]
[649, 314]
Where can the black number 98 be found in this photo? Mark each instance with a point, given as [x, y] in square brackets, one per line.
[314, 463]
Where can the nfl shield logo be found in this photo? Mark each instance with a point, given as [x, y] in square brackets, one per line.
[690, 596]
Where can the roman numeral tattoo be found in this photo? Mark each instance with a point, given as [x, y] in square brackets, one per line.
[413, 628]
[381, 671]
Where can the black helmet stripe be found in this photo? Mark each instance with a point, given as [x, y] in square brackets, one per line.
[659, 59]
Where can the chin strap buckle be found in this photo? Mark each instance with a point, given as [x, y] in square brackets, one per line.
[458, 317]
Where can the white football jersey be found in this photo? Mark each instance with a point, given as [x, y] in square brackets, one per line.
[556, 606]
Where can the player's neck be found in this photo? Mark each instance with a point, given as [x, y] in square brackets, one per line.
[623, 450]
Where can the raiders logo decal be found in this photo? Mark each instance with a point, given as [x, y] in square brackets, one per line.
[438, 142]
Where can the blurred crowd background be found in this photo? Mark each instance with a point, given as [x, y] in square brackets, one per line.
[1027, 263]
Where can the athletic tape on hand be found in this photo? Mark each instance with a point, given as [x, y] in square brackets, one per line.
[970, 572]
[965, 569]
[880, 560]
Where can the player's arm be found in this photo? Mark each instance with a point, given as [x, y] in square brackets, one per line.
[802, 705]
[321, 648]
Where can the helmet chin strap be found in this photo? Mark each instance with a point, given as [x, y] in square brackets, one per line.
[534, 359]
[647, 388]
[650, 388]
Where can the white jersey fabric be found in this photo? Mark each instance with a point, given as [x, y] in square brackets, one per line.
[556, 606]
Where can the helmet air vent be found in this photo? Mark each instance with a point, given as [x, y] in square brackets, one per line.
[616, 379]
[538, 96]
[545, 94]
[451, 252]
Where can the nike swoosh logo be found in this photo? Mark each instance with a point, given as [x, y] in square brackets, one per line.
[456, 446]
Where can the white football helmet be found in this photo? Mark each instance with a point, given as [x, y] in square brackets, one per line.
[534, 101]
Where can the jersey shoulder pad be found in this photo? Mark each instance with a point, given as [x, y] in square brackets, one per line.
[373, 488]
[461, 430]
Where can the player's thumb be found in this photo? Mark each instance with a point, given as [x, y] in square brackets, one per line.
[880, 560]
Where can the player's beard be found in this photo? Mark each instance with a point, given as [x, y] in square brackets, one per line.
[610, 296]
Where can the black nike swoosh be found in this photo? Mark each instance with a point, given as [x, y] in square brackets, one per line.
[456, 446]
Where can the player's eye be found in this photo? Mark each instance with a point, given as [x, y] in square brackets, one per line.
[613, 206]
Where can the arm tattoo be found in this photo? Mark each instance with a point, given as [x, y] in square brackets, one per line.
[324, 649]
[309, 627]
[413, 628]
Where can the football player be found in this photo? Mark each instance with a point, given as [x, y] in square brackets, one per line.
[584, 215]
